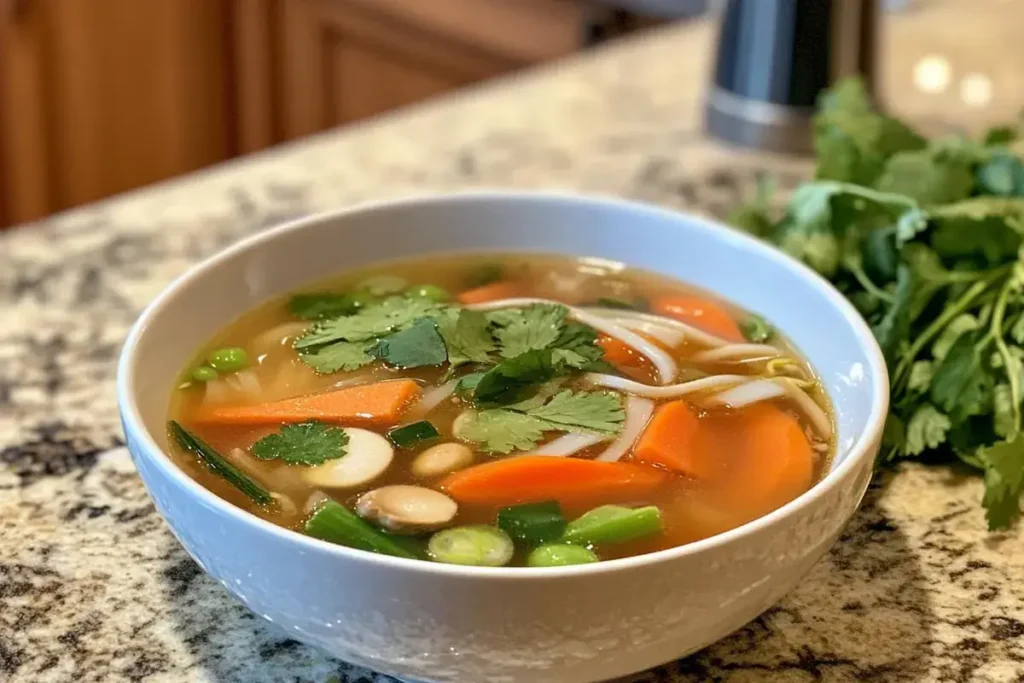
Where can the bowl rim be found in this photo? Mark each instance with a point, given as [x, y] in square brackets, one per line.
[856, 452]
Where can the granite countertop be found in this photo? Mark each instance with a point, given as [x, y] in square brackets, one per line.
[94, 588]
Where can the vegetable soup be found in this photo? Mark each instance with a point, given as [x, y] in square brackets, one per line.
[518, 410]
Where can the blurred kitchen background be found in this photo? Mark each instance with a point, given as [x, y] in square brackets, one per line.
[102, 96]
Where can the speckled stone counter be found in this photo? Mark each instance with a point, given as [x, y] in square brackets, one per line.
[94, 588]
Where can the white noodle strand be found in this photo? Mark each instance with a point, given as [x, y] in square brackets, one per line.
[738, 352]
[638, 414]
[747, 394]
[669, 391]
[662, 362]
[567, 445]
[433, 397]
[692, 333]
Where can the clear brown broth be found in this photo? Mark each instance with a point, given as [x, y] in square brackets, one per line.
[691, 510]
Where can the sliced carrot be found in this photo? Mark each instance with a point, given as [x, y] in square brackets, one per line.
[503, 289]
[620, 353]
[534, 478]
[671, 440]
[702, 313]
[773, 461]
[381, 403]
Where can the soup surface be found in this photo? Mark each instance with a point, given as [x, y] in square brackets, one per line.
[496, 410]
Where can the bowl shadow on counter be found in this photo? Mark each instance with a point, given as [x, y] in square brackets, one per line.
[863, 613]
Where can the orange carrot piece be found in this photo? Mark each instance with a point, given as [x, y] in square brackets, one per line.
[621, 354]
[775, 461]
[381, 403]
[702, 313]
[536, 478]
[503, 289]
[671, 440]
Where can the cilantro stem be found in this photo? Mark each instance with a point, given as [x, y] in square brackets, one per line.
[864, 281]
[1009, 362]
[933, 330]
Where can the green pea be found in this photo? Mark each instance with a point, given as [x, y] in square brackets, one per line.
[204, 373]
[228, 360]
[432, 292]
[560, 555]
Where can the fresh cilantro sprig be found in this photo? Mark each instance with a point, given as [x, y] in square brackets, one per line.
[306, 443]
[925, 239]
[522, 426]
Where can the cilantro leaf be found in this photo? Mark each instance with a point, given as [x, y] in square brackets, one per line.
[921, 373]
[467, 336]
[368, 323]
[306, 443]
[577, 347]
[499, 430]
[598, 411]
[316, 305]
[416, 346]
[346, 356]
[895, 325]
[962, 386]
[1002, 175]
[926, 429]
[534, 327]
[1004, 481]
[927, 177]
[509, 381]
[466, 385]
[985, 229]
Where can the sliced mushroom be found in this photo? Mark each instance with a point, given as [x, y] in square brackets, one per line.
[367, 456]
[407, 509]
[441, 459]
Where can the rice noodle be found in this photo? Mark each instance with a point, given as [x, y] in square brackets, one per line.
[432, 398]
[662, 362]
[738, 352]
[669, 336]
[669, 391]
[638, 413]
[314, 500]
[692, 333]
[568, 444]
[279, 335]
[245, 381]
[747, 394]
[819, 420]
[285, 504]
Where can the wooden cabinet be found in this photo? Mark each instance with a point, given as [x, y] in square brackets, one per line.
[100, 96]
[343, 60]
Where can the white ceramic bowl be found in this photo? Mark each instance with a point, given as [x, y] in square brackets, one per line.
[439, 622]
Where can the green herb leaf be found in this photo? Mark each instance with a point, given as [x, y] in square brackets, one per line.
[599, 412]
[466, 385]
[1002, 175]
[346, 356]
[416, 346]
[413, 434]
[1004, 481]
[962, 386]
[467, 336]
[306, 443]
[509, 381]
[529, 329]
[316, 305]
[502, 431]
[926, 177]
[926, 430]
[374, 321]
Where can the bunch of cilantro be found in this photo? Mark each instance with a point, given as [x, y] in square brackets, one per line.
[924, 237]
[511, 364]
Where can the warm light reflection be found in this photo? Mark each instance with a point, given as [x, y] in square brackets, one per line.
[976, 90]
[932, 74]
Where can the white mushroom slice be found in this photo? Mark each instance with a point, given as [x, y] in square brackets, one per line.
[367, 456]
[407, 509]
[441, 459]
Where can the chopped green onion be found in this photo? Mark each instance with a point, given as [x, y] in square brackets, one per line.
[335, 523]
[533, 522]
[560, 555]
[380, 285]
[219, 465]
[480, 546]
[410, 435]
[228, 360]
[613, 524]
[756, 329]
[431, 292]
[204, 373]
